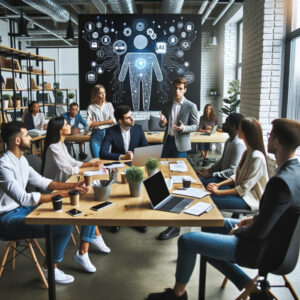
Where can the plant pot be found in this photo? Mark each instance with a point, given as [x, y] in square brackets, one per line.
[5, 103]
[135, 189]
[151, 172]
[18, 103]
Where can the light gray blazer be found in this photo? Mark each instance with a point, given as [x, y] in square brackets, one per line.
[188, 115]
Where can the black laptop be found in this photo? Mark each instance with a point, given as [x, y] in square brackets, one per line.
[160, 197]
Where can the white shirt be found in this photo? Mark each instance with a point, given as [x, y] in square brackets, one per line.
[72, 121]
[126, 138]
[14, 175]
[38, 120]
[100, 113]
[176, 107]
[59, 164]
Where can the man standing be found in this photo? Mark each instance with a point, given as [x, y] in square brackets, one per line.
[16, 203]
[180, 117]
[226, 166]
[244, 241]
[74, 118]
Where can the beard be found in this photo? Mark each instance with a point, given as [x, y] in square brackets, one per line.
[24, 147]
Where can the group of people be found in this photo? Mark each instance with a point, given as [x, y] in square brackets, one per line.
[239, 180]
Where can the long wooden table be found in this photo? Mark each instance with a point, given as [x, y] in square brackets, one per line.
[125, 211]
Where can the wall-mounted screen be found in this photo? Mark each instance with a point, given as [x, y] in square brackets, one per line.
[137, 57]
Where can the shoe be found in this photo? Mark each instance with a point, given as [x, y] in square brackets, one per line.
[115, 229]
[205, 163]
[84, 262]
[99, 244]
[142, 229]
[60, 276]
[168, 294]
[169, 233]
[82, 156]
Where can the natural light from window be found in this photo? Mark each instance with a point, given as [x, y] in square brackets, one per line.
[296, 15]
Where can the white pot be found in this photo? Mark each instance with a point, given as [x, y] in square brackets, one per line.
[5, 103]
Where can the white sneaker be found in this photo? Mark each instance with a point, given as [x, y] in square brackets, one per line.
[84, 262]
[99, 244]
[60, 276]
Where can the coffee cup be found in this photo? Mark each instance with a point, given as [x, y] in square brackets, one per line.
[57, 203]
[74, 197]
[123, 178]
[186, 182]
[87, 178]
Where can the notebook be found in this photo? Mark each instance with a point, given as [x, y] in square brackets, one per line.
[160, 198]
[210, 133]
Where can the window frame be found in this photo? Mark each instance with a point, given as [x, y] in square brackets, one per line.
[238, 64]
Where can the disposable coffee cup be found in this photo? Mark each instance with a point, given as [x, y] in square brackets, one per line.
[57, 203]
[123, 178]
[87, 178]
[74, 197]
[186, 182]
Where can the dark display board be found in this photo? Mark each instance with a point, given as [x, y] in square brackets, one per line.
[137, 57]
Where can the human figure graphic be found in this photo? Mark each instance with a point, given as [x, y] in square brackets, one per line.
[140, 67]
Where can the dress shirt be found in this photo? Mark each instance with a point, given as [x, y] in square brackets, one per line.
[72, 121]
[15, 174]
[38, 120]
[59, 164]
[176, 107]
[100, 113]
[126, 138]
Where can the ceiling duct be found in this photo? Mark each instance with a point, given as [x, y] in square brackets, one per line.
[122, 6]
[172, 6]
[50, 8]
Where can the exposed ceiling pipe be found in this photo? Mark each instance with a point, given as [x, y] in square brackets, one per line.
[203, 6]
[172, 6]
[101, 7]
[222, 13]
[16, 11]
[122, 6]
[210, 8]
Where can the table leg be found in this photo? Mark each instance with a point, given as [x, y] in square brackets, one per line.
[50, 266]
[202, 278]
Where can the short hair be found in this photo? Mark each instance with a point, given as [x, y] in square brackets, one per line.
[10, 130]
[73, 104]
[180, 80]
[120, 111]
[235, 119]
[287, 132]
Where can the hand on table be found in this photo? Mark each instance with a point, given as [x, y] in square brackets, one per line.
[81, 187]
[213, 188]
[127, 156]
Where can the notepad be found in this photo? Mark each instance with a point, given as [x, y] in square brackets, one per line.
[191, 192]
[93, 173]
[113, 165]
[199, 209]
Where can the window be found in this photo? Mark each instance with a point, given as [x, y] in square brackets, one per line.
[239, 50]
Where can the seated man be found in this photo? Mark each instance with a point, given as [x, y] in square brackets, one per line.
[225, 167]
[241, 241]
[16, 204]
[121, 139]
[74, 118]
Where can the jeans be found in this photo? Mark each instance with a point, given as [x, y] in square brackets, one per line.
[229, 201]
[206, 181]
[204, 146]
[97, 138]
[13, 227]
[170, 150]
[219, 249]
[87, 233]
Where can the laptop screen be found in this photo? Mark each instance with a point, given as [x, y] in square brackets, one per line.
[156, 188]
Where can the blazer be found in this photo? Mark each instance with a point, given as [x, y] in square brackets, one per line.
[28, 120]
[278, 211]
[188, 115]
[78, 120]
[113, 145]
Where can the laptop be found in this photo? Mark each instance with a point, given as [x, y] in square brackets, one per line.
[160, 197]
[210, 133]
[141, 154]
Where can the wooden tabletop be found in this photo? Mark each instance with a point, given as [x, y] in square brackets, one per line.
[126, 210]
[77, 138]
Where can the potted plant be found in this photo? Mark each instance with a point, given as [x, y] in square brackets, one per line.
[6, 98]
[71, 95]
[25, 99]
[135, 176]
[18, 100]
[151, 165]
[233, 101]
[59, 96]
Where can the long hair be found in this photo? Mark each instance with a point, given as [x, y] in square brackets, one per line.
[95, 90]
[53, 135]
[212, 116]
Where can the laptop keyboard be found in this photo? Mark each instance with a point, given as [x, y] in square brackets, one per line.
[176, 204]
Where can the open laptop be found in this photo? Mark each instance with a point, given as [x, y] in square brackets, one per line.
[141, 154]
[160, 197]
[210, 133]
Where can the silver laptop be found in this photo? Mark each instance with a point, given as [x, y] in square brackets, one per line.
[160, 197]
[141, 154]
[212, 131]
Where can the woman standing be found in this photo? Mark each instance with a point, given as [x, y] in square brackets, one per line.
[207, 122]
[34, 119]
[100, 115]
[59, 165]
[244, 189]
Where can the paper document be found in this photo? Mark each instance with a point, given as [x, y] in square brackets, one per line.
[178, 178]
[37, 132]
[191, 192]
[179, 167]
[199, 209]
[98, 172]
[113, 165]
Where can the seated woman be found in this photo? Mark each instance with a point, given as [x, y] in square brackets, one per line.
[207, 122]
[59, 165]
[34, 119]
[244, 189]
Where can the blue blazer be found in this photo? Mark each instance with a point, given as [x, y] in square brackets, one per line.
[113, 145]
[78, 119]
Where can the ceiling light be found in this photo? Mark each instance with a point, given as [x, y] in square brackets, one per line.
[213, 41]
[22, 26]
[70, 31]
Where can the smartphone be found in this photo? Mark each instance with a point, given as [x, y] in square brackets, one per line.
[101, 205]
[74, 212]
